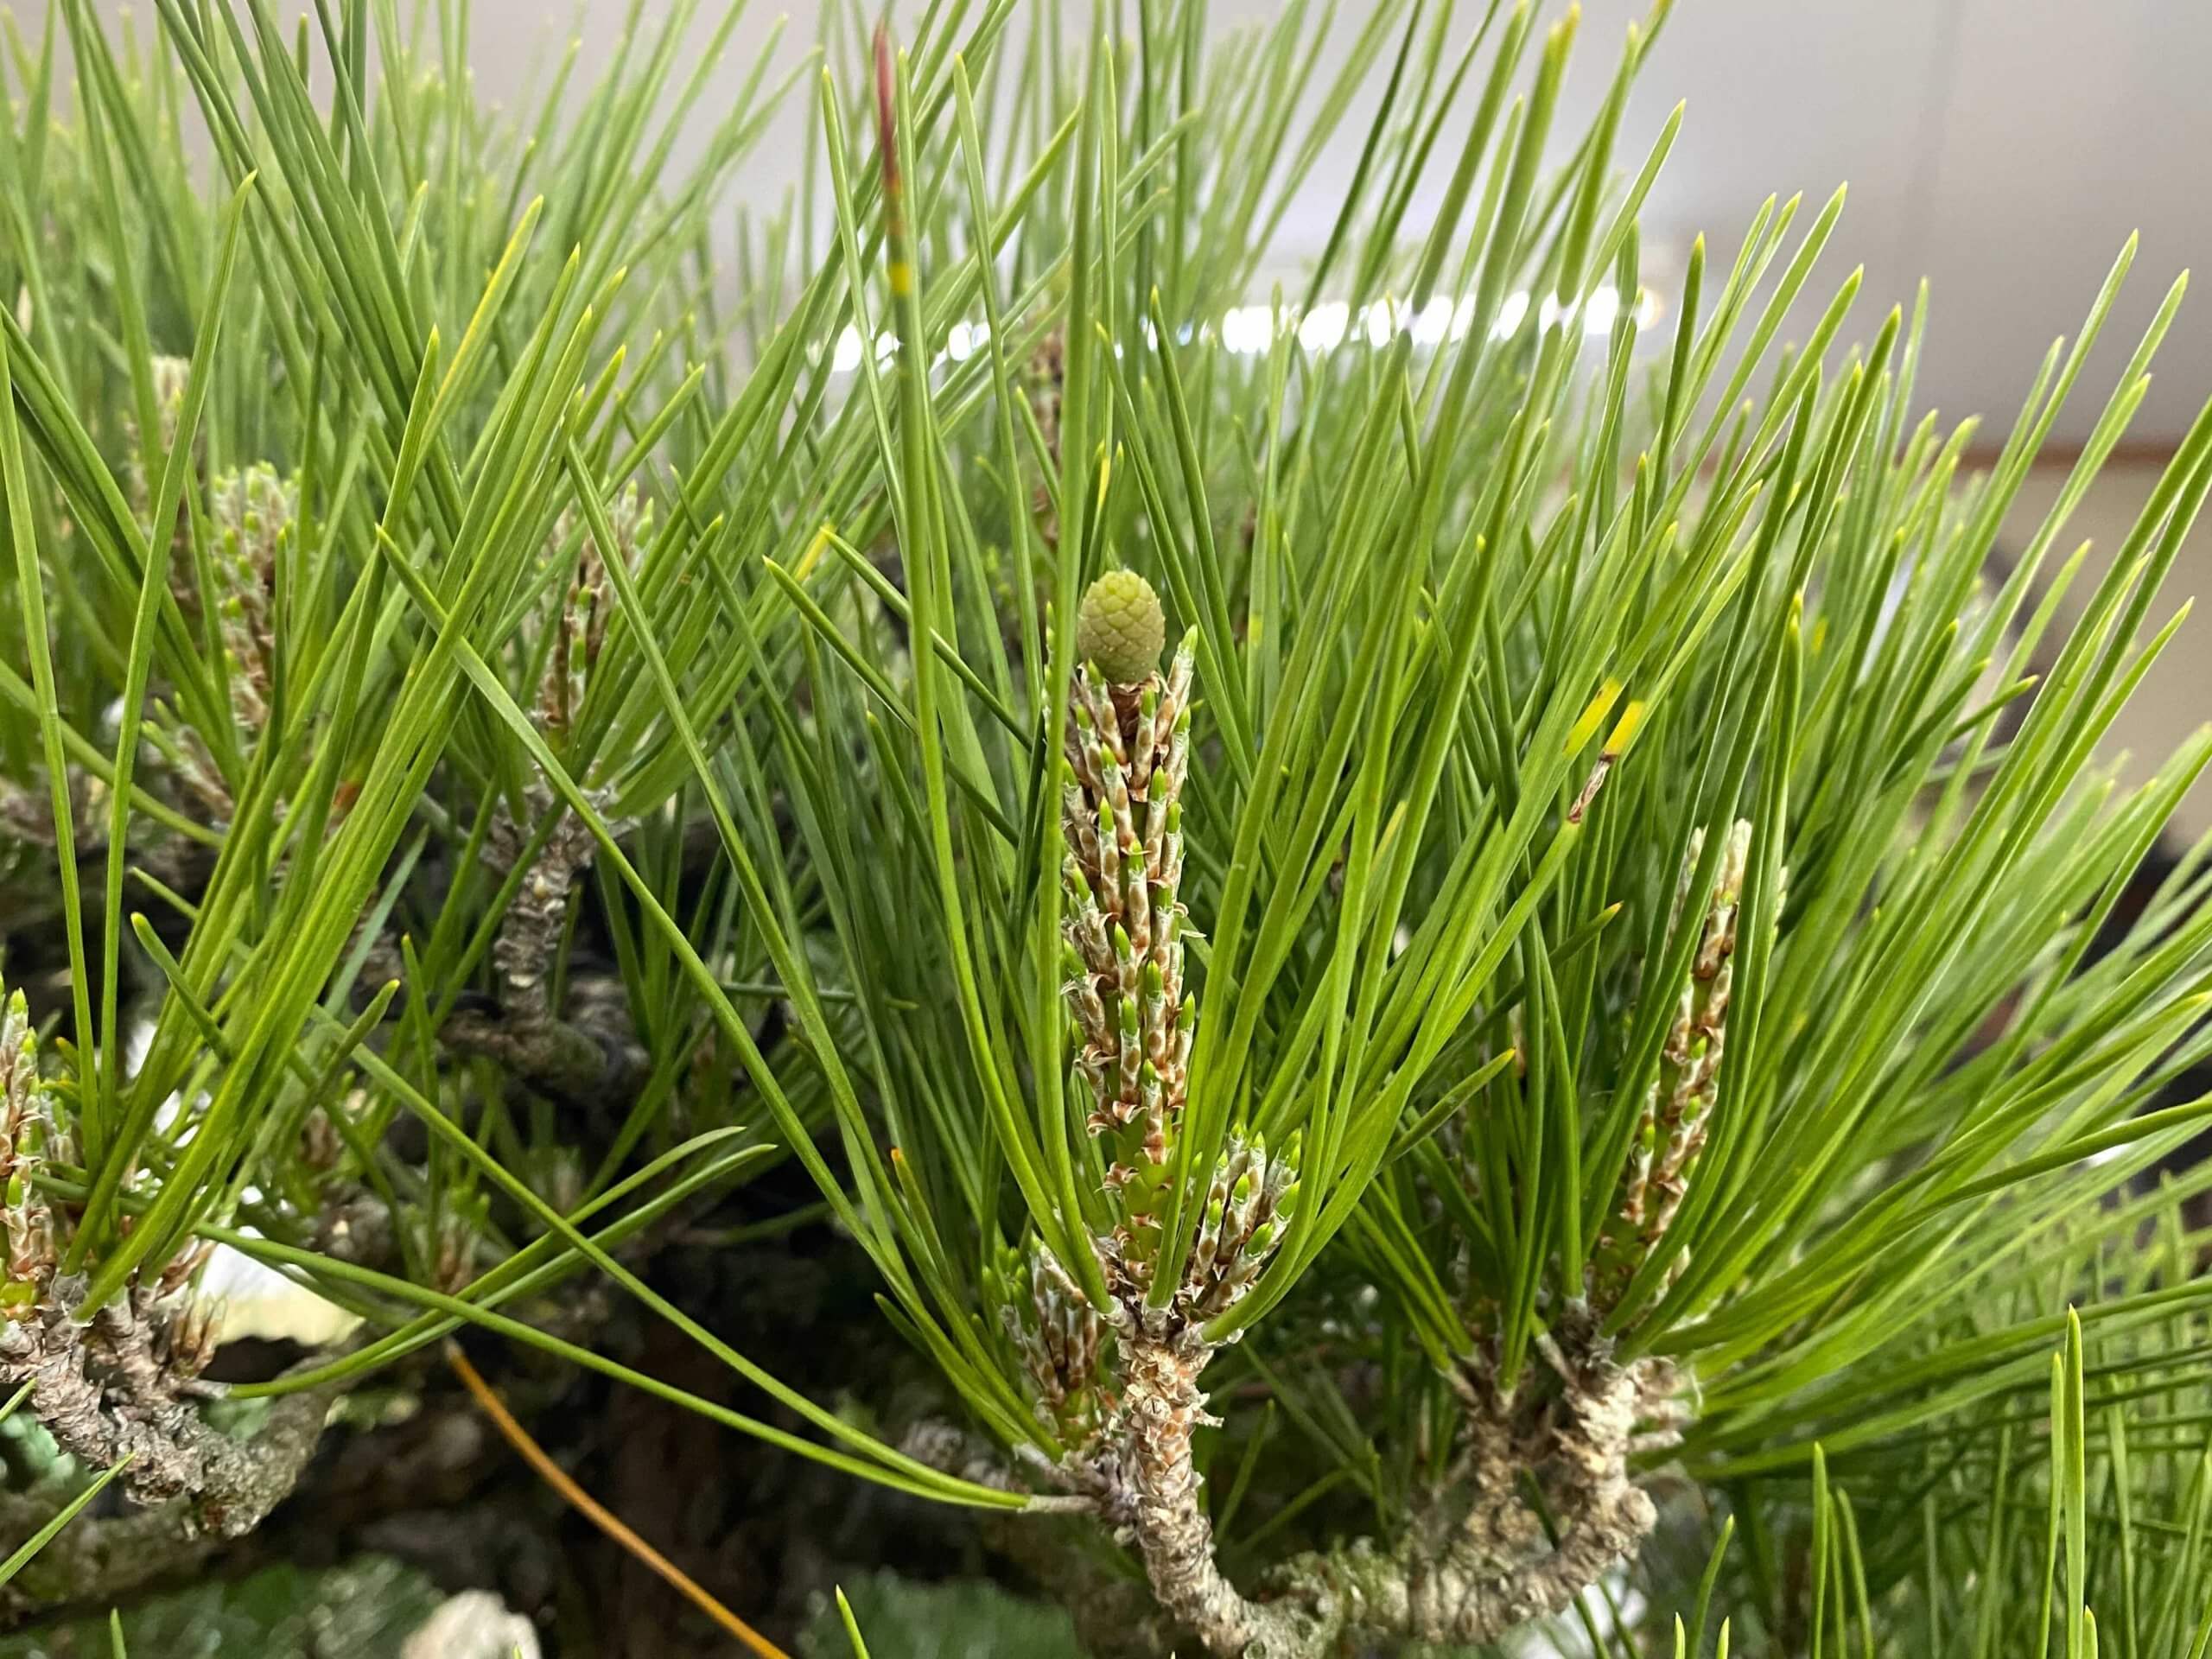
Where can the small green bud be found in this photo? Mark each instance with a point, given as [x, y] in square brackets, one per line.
[1152, 979]
[1121, 627]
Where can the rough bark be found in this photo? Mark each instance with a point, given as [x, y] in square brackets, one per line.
[1161, 1407]
[1475, 1565]
[1115, 1616]
[1493, 1571]
[580, 1056]
[201, 1487]
[104, 1395]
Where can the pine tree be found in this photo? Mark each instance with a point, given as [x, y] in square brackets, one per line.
[1458, 976]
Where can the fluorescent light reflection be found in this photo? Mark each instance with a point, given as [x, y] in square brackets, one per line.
[1252, 330]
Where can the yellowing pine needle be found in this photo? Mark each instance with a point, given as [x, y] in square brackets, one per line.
[559, 1479]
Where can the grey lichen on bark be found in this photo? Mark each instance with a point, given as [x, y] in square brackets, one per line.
[586, 1051]
[1161, 1407]
[120, 1383]
[97, 1559]
[1473, 1564]
[106, 1391]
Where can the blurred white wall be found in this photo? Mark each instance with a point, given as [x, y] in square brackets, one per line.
[2176, 695]
[2004, 149]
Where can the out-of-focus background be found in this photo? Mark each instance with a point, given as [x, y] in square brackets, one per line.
[2003, 150]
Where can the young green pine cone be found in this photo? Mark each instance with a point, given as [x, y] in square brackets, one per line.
[1120, 627]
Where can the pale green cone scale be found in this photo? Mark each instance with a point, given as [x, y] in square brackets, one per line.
[1120, 627]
